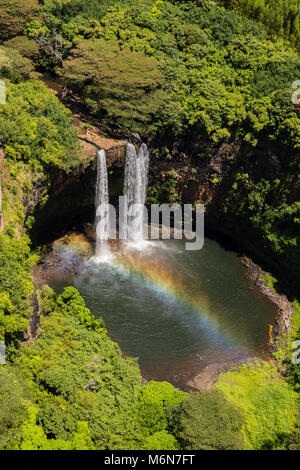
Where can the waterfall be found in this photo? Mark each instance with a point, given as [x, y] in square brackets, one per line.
[135, 190]
[102, 208]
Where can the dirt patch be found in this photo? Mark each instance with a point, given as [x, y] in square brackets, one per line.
[209, 375]
[91, 140]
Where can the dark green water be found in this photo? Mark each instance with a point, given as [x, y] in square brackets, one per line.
[175, 310]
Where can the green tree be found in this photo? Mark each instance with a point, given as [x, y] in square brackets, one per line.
[14, 14]
[269, 403]
[37, 128]
[207, 421]
[11, 324]
[71, 303]
[14, 398]
[121, 86]
[161, 440]
[13, 66]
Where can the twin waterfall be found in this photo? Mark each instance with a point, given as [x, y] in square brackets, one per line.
[135, 192]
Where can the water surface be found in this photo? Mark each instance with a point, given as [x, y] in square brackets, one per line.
[175, 310]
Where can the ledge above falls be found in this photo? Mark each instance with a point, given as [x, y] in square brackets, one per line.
[115, 149]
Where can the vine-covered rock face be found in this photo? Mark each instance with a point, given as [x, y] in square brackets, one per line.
[254, 190]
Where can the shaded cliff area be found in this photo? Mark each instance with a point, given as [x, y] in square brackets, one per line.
[191, 172]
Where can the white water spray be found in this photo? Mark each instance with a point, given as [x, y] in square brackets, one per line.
[135, 190]
[102, 210]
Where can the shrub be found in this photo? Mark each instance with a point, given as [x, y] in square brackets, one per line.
[154, 400]
[269, 404]
[14, 14]
[36, 128]
[25, 46]
[13, 405]
[13, 66]
[61, 381]
[121, 86]
[207, 421]
[161, 440]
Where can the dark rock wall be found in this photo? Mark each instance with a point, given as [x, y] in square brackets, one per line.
[191, 172]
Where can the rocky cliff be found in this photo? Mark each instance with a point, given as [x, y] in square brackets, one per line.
[191, 172]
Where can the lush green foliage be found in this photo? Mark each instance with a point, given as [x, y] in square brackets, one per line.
[122, 85]
[170, 70]
[206, 421]
[291, 441]
[13, 66]
[292, 355]
[268, 403]
[76, 374]
[16, 287]
[14, 14]
[32, 437]
[14, 399]
[282, 17]
[219, 69]
[25, 46]
[270, 205]
[161, 440]
[36, 128]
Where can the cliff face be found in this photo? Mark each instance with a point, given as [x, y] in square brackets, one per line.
[193, 172]
[208, 174]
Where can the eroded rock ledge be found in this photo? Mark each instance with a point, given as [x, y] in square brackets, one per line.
[115, 149]
[283, 320]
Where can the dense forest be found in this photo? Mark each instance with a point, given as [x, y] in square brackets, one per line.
[172, 71]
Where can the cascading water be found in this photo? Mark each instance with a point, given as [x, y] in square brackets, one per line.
[102, 209]
[135, 191]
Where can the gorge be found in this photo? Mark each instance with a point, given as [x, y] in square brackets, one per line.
[170, 308]
[124, 343]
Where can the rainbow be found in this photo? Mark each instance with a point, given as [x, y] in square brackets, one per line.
[165, 280]
[161, 275]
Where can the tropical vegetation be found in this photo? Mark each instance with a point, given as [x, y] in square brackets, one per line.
[176, 72]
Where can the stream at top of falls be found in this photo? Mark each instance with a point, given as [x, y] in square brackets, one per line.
[177, 311]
